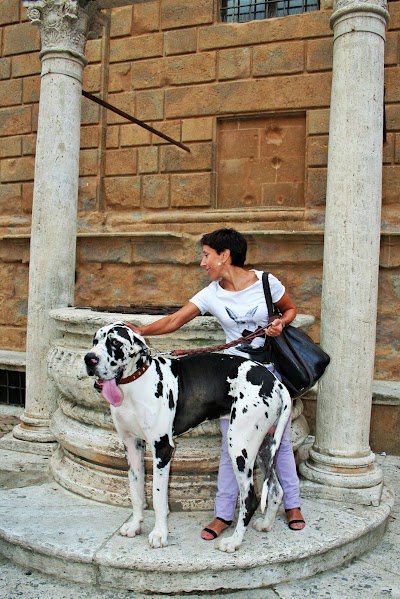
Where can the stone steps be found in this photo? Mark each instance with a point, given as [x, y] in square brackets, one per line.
[45, 527]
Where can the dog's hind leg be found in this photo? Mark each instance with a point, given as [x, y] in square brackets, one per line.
[243, 459]
[135, 455]
[272, 491]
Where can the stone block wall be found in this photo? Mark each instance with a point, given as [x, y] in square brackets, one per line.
[143, 203]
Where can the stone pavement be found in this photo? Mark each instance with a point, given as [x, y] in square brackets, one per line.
[373, 575]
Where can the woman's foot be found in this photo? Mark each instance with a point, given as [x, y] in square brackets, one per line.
[295, 518]
[215, 528]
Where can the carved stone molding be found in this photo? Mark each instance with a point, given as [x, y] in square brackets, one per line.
[366, 4]
[347, 7]
[65, 25]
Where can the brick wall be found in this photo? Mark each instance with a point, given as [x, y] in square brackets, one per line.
[142, 202]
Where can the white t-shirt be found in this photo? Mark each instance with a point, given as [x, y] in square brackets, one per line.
[237, 311]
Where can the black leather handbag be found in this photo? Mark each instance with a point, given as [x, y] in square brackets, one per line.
[299, 361]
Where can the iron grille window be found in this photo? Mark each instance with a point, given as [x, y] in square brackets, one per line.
[12, 388]
[239, 11]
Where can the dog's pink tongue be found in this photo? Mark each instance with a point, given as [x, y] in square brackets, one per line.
[112, 393]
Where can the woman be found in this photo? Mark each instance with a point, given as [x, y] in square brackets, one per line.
[236, 298]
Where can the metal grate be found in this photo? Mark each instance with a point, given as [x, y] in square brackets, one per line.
[239, 11]
[12, 388]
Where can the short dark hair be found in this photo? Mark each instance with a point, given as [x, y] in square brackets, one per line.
[227, 239]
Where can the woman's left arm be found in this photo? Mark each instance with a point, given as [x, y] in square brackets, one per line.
[288, 311]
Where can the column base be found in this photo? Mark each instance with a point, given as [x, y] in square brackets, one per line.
[33, 435]
[356, 480]
[370, 496]
[11, 443]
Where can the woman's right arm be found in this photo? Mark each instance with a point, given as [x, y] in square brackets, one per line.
[170, 323]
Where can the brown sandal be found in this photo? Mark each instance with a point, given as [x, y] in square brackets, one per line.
[214, 533]
[295, 520]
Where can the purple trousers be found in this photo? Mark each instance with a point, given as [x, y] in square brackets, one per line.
[228, 490]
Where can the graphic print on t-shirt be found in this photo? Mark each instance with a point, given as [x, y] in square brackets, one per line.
[245, 321]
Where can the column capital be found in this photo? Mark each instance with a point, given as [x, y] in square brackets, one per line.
[346, 7]
[65, 25]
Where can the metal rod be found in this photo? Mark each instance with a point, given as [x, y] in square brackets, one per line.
[134, 120]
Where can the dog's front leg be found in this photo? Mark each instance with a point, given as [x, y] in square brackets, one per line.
[162, 454]
[135, 455]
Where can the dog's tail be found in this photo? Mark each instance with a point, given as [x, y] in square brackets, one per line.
[271, 443]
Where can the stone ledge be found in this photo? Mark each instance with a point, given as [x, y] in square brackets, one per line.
[385, 393]
[202, 216]
[12, 360]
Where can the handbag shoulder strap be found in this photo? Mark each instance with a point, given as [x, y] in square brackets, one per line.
[268, 297]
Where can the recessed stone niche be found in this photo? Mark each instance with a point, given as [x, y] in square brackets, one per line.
[261, 162]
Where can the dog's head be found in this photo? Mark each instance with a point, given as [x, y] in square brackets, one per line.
[117, 352]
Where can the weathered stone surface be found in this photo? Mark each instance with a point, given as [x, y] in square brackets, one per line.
[287, 92]
[390, 179]
[16, 121]
[121, 162]
[148, 160]
[317, 151]
[147, 74]
[175, 14]
[9, 12]
[194, 68]
[170, 128]
[155, 192]
[121, 21]
[89, 136]
[319, 54]
[29, 145]
[17, 169]
[25, 64]
[313, 24]
[31, 89]
[10, 146]
[122, 192]
[318, 121]
[92, 78]
[182, 41]
[11, 92]
[173, 159]
[191, 190]
[5, 68]
[234, 63]
[146, 17]
[144, 46]
[278, 59]
[150, 105]
[120, 76]
[21, 38]
[125, 102]
[200, 129]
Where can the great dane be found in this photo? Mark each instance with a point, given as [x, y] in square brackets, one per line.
[154, 399]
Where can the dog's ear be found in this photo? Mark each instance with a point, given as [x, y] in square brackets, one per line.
[129, 326]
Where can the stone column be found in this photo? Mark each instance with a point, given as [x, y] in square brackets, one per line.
[341, 465]
[65, 26]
